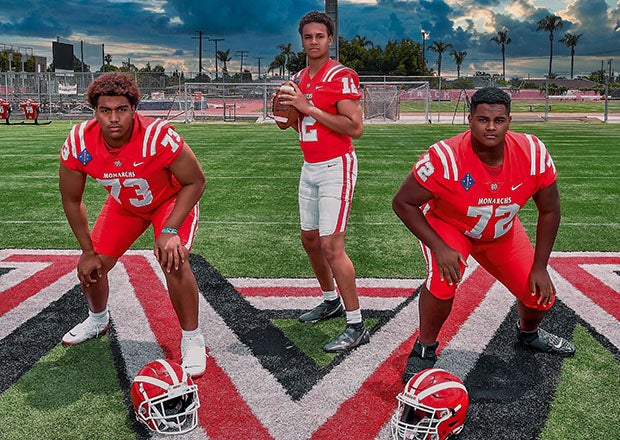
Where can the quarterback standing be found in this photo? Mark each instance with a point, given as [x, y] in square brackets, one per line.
[153, 178]
[326, 94]
[462, 199]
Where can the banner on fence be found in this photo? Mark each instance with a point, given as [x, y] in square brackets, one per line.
[67, 89]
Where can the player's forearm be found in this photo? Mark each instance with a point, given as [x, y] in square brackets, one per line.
[339, 123]
[546, 232]
[187, 198]
[78, 221]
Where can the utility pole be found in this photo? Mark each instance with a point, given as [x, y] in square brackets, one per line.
[242, 54]
[199, 37]
[215, 40]
[259, 58]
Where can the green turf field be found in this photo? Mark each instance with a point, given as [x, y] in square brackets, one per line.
[249, 228]
[249, 208]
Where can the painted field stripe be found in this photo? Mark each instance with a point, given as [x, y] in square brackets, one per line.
[375, 302]
[34, 304]
[607, 273]
[220, 401]
[375, 407]
[60, 265]
[395, 283]
[588, 309]
[137, 341]
[291, 291]
[602, 294]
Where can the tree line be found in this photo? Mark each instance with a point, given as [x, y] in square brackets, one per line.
[397, 58]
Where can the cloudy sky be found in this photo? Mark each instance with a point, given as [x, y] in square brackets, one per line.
[164, 32]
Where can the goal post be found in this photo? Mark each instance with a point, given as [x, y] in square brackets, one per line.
[383, 99]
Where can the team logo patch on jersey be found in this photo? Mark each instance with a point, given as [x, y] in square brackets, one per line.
[85, 156]
[467, 181]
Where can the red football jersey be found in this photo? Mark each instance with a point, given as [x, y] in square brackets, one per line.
[479, 200]
[333, 83]
[137, 176]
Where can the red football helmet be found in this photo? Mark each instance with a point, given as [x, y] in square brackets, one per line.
[165, 398]
[432, 406]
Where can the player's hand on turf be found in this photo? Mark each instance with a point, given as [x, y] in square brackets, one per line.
[450, 264]
[541, 285]
[169, 252]
[89, 268]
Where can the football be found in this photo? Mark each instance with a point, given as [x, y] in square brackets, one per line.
[284, 115]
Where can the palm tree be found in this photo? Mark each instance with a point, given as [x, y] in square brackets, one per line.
[224, 57]
[458, 59]
[440, 47]
[287, 51]
[570, 40]
[550, 24]
[362, 42]
[502, 39]
[279, 63]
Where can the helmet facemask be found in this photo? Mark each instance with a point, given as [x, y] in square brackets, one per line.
[433, 406]
[165, 398]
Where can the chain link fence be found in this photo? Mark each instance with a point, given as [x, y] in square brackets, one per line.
[183, 97]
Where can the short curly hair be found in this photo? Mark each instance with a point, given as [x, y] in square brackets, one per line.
[113, 84]
[490, 95]
[316, 17]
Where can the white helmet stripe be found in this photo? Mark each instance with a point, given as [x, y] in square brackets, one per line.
[440, 387]
[422, 375]
[176, 380]
[153, 381]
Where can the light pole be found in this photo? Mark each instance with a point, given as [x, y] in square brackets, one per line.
[424, 34]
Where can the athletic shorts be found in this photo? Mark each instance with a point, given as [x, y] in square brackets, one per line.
[509, 259]
[325, 194]
[116, 228]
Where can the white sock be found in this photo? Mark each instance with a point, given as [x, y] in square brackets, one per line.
[330, 295]
[99, 317]
[187, 334]
[354, 316]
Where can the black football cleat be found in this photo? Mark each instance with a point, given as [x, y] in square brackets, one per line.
[421, 357]
[352, 336]
[546, 342]
[325, 310]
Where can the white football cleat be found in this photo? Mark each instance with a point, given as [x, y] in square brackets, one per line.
[85, 330]
[194, 356]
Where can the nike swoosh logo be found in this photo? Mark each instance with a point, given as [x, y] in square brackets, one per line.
[137, 164]
[515, 186]
[558, 344]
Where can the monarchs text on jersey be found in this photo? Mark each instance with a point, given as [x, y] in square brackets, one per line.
[479, 200]
[136, 175]
[332, 83]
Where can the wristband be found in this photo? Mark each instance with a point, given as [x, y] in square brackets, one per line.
[174, 231]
